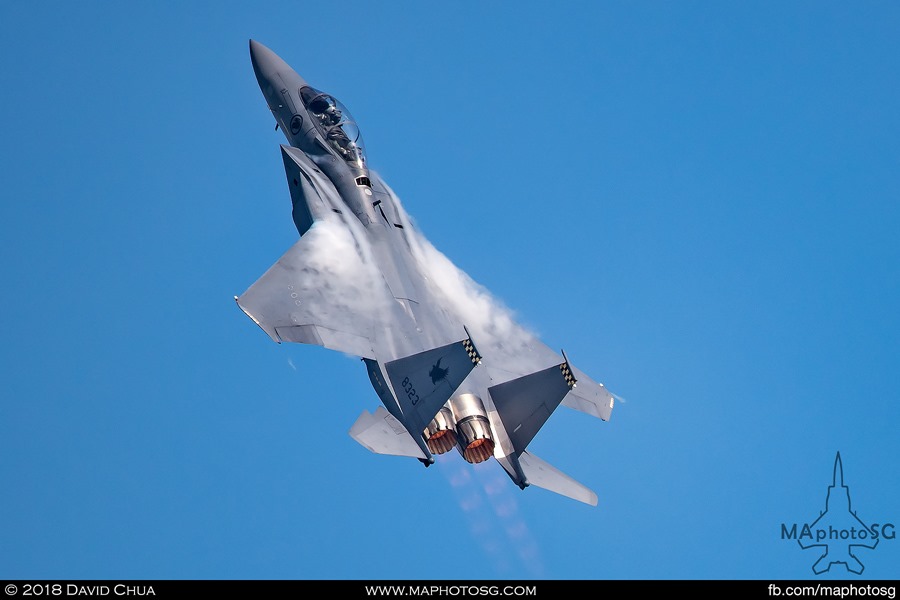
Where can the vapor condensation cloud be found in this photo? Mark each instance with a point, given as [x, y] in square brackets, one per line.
[499, 338]
[338, 263]
[340, 266]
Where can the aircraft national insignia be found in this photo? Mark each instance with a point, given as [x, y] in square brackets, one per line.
[437, 373]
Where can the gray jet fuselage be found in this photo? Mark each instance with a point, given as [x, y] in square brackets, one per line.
[384, 298]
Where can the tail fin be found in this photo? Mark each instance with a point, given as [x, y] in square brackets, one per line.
[543, 475]
[425, 381]
[525, 404]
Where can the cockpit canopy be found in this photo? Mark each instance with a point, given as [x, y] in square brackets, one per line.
[336, 125]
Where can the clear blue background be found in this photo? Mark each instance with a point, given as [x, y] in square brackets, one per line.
[697, 200]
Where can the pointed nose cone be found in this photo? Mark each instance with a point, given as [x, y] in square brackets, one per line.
[270, 70]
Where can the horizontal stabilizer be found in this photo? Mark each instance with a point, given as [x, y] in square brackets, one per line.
[424, 382]
[525, 404]
[381, 433]
[543, 475]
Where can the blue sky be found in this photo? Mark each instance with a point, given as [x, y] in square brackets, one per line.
[698, 201]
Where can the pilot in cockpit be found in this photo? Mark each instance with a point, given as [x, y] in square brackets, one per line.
[340, 141]
[332, 115]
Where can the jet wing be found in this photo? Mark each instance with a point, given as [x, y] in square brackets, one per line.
[589, 397]
[324, 290]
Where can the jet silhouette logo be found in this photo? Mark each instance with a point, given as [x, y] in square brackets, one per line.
[437, 373]
[838, 532]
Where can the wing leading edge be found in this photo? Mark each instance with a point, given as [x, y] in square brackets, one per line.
[324, 290]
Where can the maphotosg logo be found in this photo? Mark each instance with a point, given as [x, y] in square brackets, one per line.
[838, 532]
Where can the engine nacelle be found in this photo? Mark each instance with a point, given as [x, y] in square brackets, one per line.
[473, 429]
[440, 435]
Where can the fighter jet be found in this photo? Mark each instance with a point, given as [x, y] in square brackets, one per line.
[450, 365]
